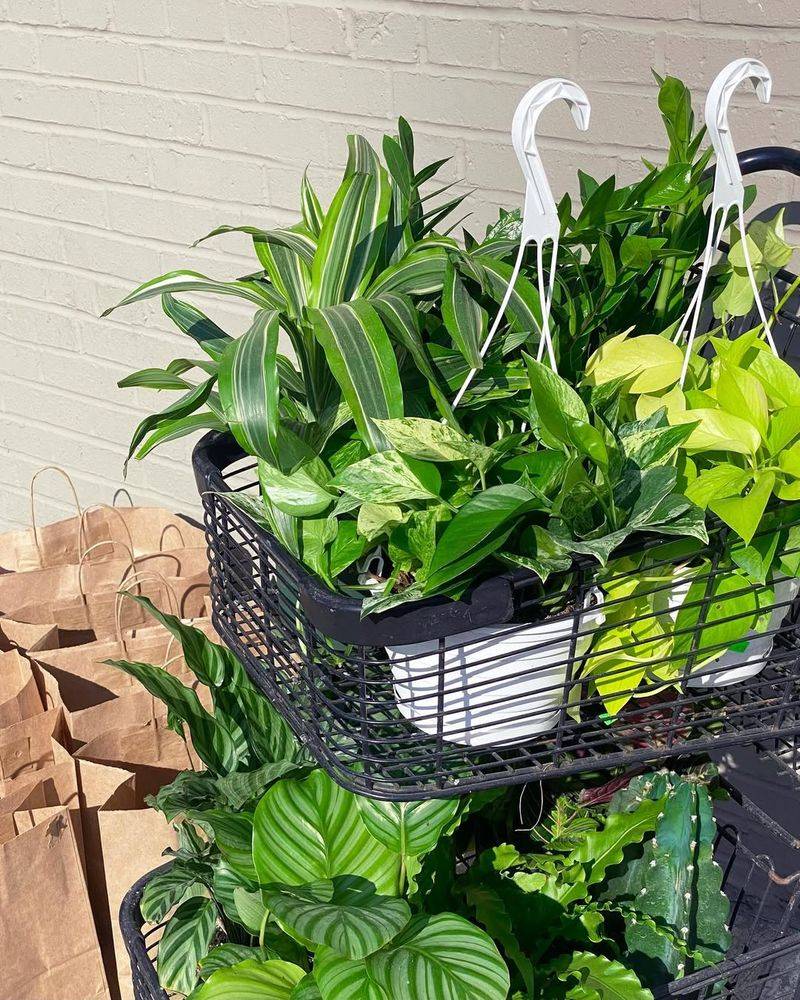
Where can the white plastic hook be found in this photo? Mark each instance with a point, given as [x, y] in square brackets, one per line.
[540, 215]
[728, 196]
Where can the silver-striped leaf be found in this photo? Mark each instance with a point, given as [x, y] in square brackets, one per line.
[339, 977]
[420, 272]
[310, 830]
[464, 318]
[249, 387]
[192, 281]
[344, 913]
[195, 324]
[361, 357]
[310, 208]
[186, 939]
[444, 956]
[409, 828]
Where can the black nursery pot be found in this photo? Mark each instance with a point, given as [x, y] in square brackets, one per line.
[218, 459]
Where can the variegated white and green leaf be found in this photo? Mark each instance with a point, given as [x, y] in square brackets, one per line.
[192, 281]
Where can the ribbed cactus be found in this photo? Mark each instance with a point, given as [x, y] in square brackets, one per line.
[675, 882]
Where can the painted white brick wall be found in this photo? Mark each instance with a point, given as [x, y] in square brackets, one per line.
[128, 128]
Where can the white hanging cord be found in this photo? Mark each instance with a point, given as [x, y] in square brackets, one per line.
[540, 215]
[728, 195]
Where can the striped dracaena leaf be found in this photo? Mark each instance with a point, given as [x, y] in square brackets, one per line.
[443, 956]
[311, 830]
[311, 210]
[186, 939]
[464, 319]
[421, 272]
[408, 828]
[350, 239]
[256, 292]
[360, 355]
[187, 405]
[252, 980]
[249, 387]
[344, 913]
[172, 429]
[404, 325]
[524, 311]
[288, 271]
[168, 378]
[195, 324]
[301, 243]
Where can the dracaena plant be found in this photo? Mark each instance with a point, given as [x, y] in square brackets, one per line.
[285, 885]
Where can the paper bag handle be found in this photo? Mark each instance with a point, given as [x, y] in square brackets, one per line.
[70, 483]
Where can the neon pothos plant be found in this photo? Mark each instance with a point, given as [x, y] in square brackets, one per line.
[285, 885]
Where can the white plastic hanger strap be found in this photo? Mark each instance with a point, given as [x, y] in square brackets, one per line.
[728, 194]
[540, 220]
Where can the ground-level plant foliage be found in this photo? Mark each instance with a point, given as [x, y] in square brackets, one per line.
[287, 886]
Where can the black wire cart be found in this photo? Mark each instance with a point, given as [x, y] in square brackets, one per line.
[764, 958]
[504, 686]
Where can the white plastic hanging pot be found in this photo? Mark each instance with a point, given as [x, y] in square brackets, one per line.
[747, 657]
[500, 685]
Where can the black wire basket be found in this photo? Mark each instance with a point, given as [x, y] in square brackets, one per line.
[512, 683]
[760, 862]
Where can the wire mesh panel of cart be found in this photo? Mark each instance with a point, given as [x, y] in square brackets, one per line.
[668, 649]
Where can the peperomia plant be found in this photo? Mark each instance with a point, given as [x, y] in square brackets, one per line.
[285, 885]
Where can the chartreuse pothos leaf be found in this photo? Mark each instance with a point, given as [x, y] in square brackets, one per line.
[310, 830]
[251, 980]
[249, 388]
[443, 956]
[744, 513]
[408, 828]
[360, 356]
[186, 939]
[344, 913]
[258, 293]
[651, 362]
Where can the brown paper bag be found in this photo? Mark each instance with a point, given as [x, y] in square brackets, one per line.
[142, 529]
[31, 745]
[133, 843]
[19, 695]
[85, 597]
[22, 636]
[48, 943]
[151, 751]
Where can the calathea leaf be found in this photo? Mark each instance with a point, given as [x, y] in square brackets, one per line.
[166, 890]
[387, 477]
[186, 939]
[233, 835]
[344, 913]
[241, 787]
[249, 387]
[210, 739]
[408, 828]
[195, 324]
[251, 980]
[443, 956]
[189, 790]
[360, 355]
[312, 829]
[306, 989]
[226, 955]
[465, 320]
[339, 977]
[256, 292]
